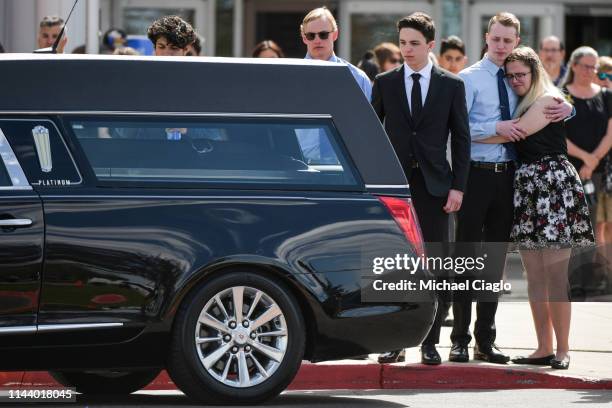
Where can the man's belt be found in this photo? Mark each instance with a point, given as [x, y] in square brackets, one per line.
[497, 167]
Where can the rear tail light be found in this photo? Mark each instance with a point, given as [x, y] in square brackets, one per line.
[403, 213]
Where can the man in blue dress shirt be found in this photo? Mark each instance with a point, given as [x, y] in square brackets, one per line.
[319, 32]
[487, 211]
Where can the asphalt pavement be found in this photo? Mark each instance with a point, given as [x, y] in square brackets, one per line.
[374, 399]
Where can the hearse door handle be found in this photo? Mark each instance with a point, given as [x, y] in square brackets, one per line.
[16, 223]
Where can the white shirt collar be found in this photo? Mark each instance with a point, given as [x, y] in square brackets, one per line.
[425, 71]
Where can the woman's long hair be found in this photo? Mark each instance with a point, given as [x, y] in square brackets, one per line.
[540, 81]
[577, 54]
[268, 45]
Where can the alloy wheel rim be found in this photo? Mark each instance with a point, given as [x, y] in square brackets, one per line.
[241, 336]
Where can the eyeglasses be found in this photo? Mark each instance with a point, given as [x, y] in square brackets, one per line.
[588, 67]
[518, 76]
[603, 76]
[324, 35]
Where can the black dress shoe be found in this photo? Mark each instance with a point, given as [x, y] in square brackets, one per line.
[541, 361]
[395, 356]
[459, 353]
[560, 364]
[490, 353]
[429, 355]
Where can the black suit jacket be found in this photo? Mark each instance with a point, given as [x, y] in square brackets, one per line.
[425, 138]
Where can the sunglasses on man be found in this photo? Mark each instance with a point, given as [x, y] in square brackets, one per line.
[603, 76]
[324, 35]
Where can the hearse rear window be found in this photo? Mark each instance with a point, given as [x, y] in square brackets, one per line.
[265, 151]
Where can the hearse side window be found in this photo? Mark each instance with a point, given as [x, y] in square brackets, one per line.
[253, 151]
[41, 151]
[11, 174]
[5, 180]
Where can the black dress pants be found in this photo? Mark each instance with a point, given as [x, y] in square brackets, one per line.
[434, 226]
[485, 215]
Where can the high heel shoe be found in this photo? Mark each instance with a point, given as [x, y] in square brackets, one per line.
[562, 364]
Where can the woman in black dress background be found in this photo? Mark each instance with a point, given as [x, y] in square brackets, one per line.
[589, 138]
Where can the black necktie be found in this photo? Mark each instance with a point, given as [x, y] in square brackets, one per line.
[415, 98]
[504, 103]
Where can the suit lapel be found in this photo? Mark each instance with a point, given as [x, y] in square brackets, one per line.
[435, 83]
[400, 88]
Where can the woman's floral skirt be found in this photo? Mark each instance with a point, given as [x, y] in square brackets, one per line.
[550, 209]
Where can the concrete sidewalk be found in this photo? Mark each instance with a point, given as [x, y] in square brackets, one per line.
[590, 368]
[590, 339]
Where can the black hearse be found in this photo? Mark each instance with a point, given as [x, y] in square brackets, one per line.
[206, 216]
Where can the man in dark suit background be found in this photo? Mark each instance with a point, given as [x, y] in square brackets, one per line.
[419, 104]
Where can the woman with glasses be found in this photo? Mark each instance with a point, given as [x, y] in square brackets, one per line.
[388, 56]
[589, 138]
[550, 211]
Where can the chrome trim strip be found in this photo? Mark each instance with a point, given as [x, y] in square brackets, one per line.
[13, 168]
[206, 197]
[194, 114]
[61, 136]
[387, 186]
[45, 328]
[20, 222]
[4, 188]
[18, 330]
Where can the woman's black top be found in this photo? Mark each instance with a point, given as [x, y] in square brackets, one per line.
[549, 141]
[589, 126]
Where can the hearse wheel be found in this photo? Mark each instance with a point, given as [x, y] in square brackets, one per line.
[237, 338]
[105, 382]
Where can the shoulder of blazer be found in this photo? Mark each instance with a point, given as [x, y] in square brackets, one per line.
[449, 76]
[391, 75]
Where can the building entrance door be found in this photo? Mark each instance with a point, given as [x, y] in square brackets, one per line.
[278, 21]
[135, 16]
[537, 21]
[589, 25]
[365, 23]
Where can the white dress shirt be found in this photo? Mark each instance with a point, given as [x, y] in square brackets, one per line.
[424, 81]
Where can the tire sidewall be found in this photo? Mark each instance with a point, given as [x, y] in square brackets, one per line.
[295, 344]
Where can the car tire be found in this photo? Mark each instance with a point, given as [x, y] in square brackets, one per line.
[105, 382]
[212, 362]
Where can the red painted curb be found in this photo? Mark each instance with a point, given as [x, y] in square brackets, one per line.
[354, 377]
[418, 376]
[375, 376]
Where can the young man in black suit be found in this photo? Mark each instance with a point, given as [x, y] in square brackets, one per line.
[419, 104]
